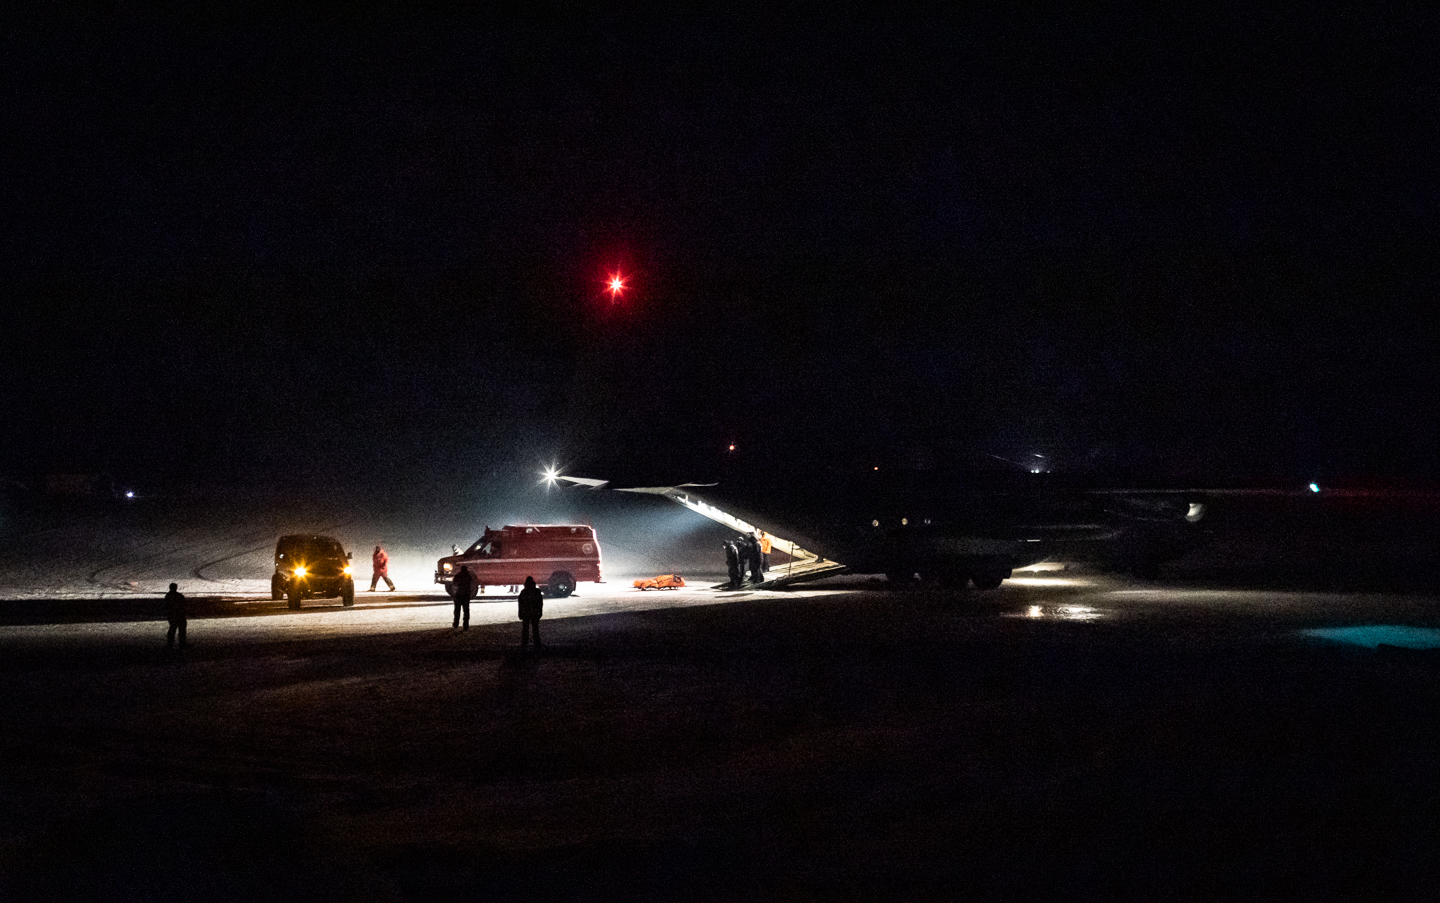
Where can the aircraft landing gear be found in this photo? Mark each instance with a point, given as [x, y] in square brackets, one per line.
[989, 580]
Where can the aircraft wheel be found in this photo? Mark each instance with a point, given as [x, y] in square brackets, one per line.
[562, 584]
[988, 581]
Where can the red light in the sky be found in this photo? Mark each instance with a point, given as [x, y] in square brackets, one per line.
[616, 285]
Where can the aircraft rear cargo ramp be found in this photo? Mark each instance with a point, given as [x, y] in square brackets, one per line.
[803, 565]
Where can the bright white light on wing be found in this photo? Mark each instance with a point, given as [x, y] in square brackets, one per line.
[1314, 487]
[550, 475]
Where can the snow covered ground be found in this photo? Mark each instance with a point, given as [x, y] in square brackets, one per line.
[833, 742]
[222, 541]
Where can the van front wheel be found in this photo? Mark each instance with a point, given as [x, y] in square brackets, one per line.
[561, 584]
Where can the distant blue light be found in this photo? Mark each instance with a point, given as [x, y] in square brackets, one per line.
[1372, 636]
[1314, 487]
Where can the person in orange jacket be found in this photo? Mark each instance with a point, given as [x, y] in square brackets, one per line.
[380, 563]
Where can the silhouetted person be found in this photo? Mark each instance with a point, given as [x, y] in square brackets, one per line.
[732, 562]
[175, 614]
[380, 569]
[464, 586]
[532, 607]
[750, 550]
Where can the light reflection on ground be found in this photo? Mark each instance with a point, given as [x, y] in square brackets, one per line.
[1048, 581]
[1373, 636]
[1059, 612]
[1218, 595]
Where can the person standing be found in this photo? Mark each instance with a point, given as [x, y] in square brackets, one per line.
[175, 614]
[380, 569]
[464, 586]
[532, 607]
[764, 551]
[751, 551]
[732, 563]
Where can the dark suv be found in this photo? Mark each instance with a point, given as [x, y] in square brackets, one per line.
[307, 565]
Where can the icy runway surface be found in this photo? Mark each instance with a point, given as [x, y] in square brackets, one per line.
[1069, 735]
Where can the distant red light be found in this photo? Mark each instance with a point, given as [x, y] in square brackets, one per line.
[616, 285]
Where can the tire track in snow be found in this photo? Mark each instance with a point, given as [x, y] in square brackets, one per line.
[198, 574]
[169, 544]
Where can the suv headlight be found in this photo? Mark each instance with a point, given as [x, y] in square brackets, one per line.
[449, 567]
[300, 570]
[348, 570]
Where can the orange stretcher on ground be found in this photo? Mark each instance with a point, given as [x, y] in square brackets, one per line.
[664, 581]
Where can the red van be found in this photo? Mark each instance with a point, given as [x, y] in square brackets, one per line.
[556, 555]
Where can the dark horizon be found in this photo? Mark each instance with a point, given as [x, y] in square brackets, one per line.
[1169, 244]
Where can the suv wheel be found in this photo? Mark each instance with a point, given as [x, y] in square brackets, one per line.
[277, 588]
[296, 594]
[347, 593]
[561, 584]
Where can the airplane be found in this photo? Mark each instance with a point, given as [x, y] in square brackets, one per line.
[968, 525]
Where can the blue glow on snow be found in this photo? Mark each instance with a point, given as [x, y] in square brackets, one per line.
[1372, 636]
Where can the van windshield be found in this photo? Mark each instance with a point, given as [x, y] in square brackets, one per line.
[484, 549]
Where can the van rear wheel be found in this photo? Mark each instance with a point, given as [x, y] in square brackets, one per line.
[561, 584]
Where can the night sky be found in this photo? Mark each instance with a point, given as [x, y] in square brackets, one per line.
[259, 246]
